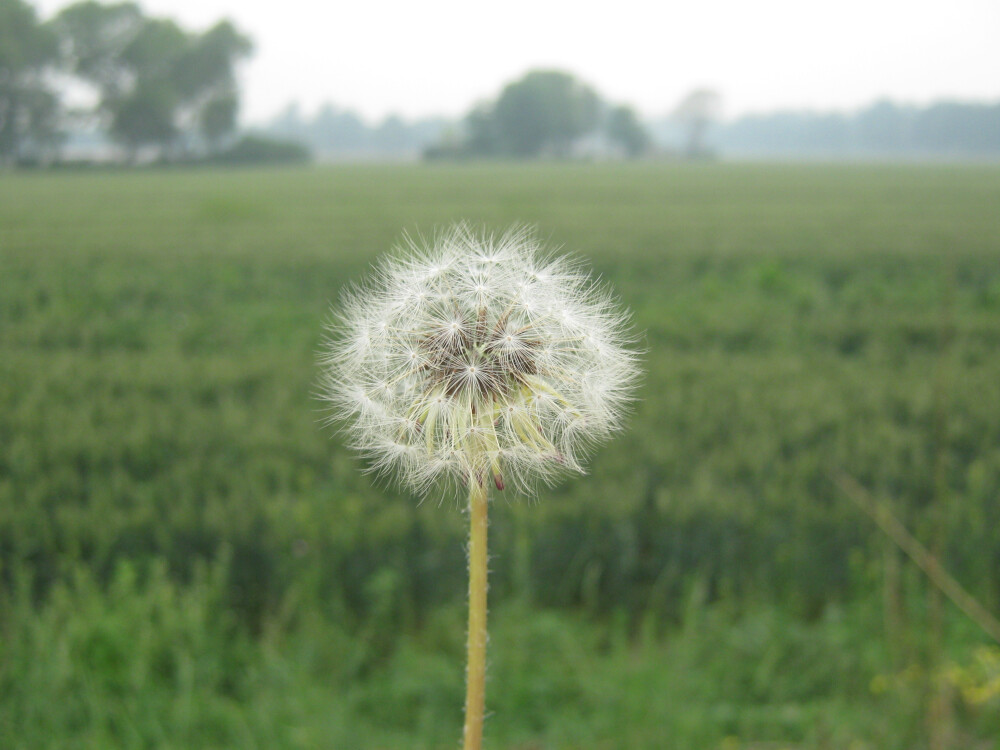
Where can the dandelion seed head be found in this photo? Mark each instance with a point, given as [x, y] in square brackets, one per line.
[479, 358]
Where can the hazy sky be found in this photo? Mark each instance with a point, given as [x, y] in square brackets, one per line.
[441, 56]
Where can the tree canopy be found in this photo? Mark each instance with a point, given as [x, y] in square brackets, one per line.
[28, 107]
[881, 130]
[154, 79]
[695, 113]
[546, 113]
[543, 113]
[623, 128]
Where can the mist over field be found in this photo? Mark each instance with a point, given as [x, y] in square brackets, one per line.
[87, 84]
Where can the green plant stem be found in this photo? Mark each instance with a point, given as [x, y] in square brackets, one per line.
[924, 560]
[475, 695]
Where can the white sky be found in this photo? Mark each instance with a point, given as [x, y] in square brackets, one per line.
[428, 57]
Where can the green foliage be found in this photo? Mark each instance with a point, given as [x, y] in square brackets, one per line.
[544, 112]
[94, 35]
[139, 661]
[883, 129]
[144, 661]
[541, 114]
[624, 128]
[255, 149]
[218, 117]
[188, 560]
[144, 117]
[155, 79]
[28, 108]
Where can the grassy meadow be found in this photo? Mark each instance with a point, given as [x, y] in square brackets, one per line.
[189, 559]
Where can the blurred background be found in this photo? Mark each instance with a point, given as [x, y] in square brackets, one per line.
[795, 544]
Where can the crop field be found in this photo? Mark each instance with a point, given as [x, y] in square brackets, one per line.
[190, 559]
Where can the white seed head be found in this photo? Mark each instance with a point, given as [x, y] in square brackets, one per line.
[480, 359]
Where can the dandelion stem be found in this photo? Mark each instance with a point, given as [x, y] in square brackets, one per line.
[476, 669]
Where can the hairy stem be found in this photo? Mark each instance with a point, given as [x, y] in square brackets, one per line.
[476, 669]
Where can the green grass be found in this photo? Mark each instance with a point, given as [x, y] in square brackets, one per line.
[190, 560]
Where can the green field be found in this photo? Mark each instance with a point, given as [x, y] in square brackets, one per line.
[189, 559]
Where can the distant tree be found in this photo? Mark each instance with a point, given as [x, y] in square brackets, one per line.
[543, 113]
[341, 133]
[881, 128]
[92, 39]
[28, 107]
[336, 130]
[695, 113]
[429, 130]
[391, 135]
[258, 149]
[217, 118]
[155, 80]
[482, 133]
[144, 117]
[144, 113]
[289, 123]
[829, 133]
[623, 128]
[205, 78]
[957, 128]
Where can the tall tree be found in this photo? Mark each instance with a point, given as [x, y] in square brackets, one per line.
[624, 129]
[145, 112]
[695, 113]
[338, 130]
[881, 128]
[156, 81]
[482, 138]
[28, 108]
[217, 118]
[93, 38]
[205, 78]
[543, 113]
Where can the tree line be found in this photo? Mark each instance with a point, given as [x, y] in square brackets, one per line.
[154, 86]
[158, 91]
[546, 113]
[543, 114]
[883, 129]
[335, 132]
[551, 114]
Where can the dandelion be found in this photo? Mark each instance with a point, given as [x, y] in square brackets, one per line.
[480, 361]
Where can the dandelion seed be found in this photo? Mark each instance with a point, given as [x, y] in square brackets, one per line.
[492, 325]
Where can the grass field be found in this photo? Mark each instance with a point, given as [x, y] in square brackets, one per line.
[188, 559]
